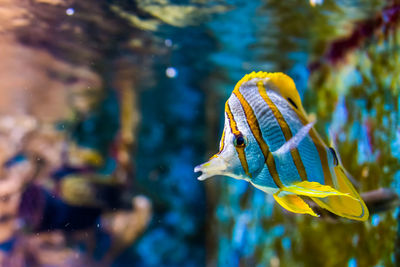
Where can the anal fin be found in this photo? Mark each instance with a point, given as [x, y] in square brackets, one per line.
[313, 189]
[289, 197]
[352, 208]
[294, 204]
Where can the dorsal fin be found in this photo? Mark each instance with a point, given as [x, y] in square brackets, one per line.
[280, 83]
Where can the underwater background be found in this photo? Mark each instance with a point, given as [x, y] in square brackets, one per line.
[106, 106]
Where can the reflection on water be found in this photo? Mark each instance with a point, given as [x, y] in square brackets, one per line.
[106, 107]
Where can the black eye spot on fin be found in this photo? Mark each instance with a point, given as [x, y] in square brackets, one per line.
[292, 102]
[335, 159]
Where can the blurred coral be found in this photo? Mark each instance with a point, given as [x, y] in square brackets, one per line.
[51, 87]
[125, 226]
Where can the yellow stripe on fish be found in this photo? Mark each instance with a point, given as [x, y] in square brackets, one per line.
[255, 129]
[320, 146]
[285, 129]
[268, 141]
[222, 143]
[236, 132]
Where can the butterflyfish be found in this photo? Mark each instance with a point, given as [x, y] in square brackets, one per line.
[269, 141]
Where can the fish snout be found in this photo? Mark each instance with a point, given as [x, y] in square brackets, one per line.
[215, 166]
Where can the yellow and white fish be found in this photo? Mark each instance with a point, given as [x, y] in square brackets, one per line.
[268, 141]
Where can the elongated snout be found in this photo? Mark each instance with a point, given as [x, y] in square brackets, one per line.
[215, 166]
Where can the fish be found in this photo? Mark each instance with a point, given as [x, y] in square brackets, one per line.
[269, 141]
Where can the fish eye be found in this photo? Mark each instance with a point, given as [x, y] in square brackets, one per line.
[240, 141]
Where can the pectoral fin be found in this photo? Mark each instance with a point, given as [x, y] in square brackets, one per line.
[294, 204]
[295, 141]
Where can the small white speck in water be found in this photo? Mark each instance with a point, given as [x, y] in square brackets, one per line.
[386, 169]
[171, 72]
[70, 11]
[168, 42]
[316, 2]
[375, 219]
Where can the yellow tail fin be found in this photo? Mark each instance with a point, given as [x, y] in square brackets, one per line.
[352, 208]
